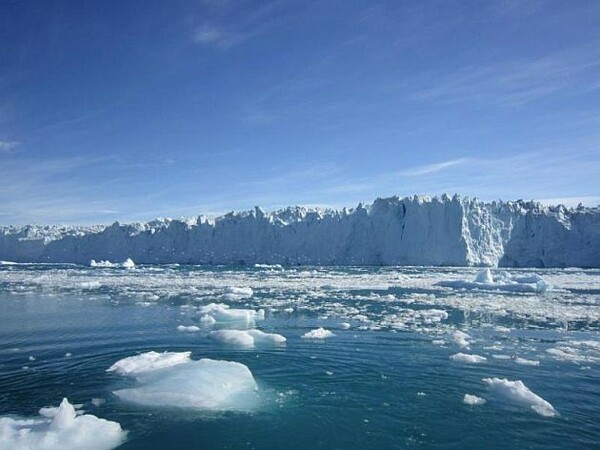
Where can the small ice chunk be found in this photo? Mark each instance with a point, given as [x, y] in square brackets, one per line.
[97, 402]
[485, 276]
[344, 326]
[526, 362]
[238, 293]
[469, 359]
[501, 329]
[470, 399]
[188, 329]
[207, 319]
[149, 361]
[221, 312]
[460, 338]
[60, 428]
[31, 358]
[518, 393]
[246, 338]
[319, 333]
[128, 264]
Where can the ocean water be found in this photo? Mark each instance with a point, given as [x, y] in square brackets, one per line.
[387, 381]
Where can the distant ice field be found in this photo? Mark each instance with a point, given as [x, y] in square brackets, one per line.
[301, 357]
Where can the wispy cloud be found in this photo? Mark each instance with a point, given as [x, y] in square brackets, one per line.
[517, 82]
[8, 146]
[228, 25]
[432, 168]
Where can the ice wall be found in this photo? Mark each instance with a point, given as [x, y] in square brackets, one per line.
[409, 231]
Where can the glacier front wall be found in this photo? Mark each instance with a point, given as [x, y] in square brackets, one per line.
[410, 231]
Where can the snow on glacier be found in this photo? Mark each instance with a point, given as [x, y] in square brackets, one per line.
[60, 428]
[450, 231]
[174, 380]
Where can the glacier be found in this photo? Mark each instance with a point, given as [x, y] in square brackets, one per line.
[417, 230]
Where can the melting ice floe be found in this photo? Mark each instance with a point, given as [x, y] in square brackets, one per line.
[502, 281]
[518, 393]
[246, 338]
[319, 333]
[174, 380]
[60, 428]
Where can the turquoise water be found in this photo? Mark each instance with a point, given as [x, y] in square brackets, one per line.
[386, 382]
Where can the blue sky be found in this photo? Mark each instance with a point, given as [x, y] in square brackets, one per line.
[116, 110]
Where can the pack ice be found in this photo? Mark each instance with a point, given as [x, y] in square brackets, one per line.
[415, 230]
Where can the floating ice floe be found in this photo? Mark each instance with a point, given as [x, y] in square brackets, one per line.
[469, 359]
[60, 428]
[577, 352]
[518, 393]
[127, 264]
[222, 313]
[272, 267]
[246, 338]
[470, 399]
[319, 333]
[205, 384]
[344, 326]
[502, 281]
[526, 362]
[460, 338]
[188, 329]
[237, 293]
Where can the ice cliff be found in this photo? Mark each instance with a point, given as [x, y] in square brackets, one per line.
[392, 231]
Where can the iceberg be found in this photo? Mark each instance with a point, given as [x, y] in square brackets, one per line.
[174, 380]
[60, 428]
[439, 231]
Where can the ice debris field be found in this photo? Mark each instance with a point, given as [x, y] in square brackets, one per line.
[158, 355]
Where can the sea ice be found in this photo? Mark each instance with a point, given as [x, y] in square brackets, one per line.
[460, 338]
[470, 399]
[469, 359]
[526, 362]
[60, 428]
[246, 338]
[319, 333]
[518, 393]
[237, 293]
[503, 281]
[205, 384]
[221, 312]
[188, 329]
